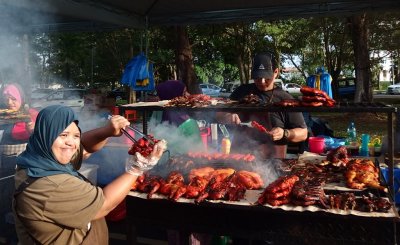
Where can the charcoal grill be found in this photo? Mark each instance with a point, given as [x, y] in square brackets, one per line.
[272, 224]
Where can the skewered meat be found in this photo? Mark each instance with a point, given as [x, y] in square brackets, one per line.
[344, 201]
[143, 146]
[174, 186]
[282, 183]
[315, 97]
[338, 156]
[249, 180]
[306, 193]
[308, 91]
[373, 204]
[312, 103]
[361, 173]
[193, 100]
[259, 127]
[366, 203]
[250, 99]
[277, 193]
[201, 172]
[306, 98]
[147, 184]
[287, 164]
[196, 186]
[222, 157]
[222, 187]
[222, 173]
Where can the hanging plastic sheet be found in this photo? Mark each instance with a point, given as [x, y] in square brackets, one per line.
[138, 74]
[322, 80]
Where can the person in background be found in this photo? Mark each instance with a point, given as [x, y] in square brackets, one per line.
[18, 132]
[53, 204]
[283, 127]
[169, 90]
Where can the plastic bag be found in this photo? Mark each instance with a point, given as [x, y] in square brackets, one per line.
[138, 74]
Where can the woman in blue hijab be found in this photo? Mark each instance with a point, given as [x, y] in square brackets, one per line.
[53, 204]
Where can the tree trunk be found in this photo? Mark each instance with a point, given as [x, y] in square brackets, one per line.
[362, 62]
[184, 60]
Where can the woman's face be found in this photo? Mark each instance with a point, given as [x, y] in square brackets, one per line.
[12, 103]
[67, 144]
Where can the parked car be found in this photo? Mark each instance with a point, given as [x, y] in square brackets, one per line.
[69, 97]
[292, 88]
[228, 88]
[393, 89]
[40, 93]
[347, 87]
[278, 83]
[210, 89]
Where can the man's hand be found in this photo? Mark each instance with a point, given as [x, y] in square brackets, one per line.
[228, 118]
[276, 133]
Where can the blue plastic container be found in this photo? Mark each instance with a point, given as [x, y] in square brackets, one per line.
[385, 174]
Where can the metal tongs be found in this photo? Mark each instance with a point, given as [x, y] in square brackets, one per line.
[247, 124]
[224, 130]
[127, 134]
[140, 133]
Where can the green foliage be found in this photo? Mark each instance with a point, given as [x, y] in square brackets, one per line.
[220, 52]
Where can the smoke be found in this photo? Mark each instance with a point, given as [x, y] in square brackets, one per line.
[19, 63]
[182, 144]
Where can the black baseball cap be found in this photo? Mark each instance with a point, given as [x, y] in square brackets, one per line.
[262, 66]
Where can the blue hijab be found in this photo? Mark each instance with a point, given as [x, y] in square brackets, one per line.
[38, 158]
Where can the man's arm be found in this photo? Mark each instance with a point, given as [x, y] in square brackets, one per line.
[292, 135]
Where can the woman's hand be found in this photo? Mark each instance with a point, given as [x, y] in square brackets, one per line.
[116, 123]
[95, 139]
[137, 164]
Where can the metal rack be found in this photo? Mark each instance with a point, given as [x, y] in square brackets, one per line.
[179, 215]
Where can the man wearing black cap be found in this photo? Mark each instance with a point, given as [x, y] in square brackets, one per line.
[283, 127]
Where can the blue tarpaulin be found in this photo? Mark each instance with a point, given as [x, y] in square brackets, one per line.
[138, 74]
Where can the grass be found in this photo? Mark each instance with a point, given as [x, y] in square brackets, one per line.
[374, 124]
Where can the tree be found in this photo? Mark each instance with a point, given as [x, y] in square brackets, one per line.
[361, 58]
[184, 60]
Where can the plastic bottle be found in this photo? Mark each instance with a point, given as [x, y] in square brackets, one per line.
[353, 145]
[225, 145]
[351, 133]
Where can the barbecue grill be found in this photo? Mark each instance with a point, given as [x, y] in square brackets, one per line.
[260, 222]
